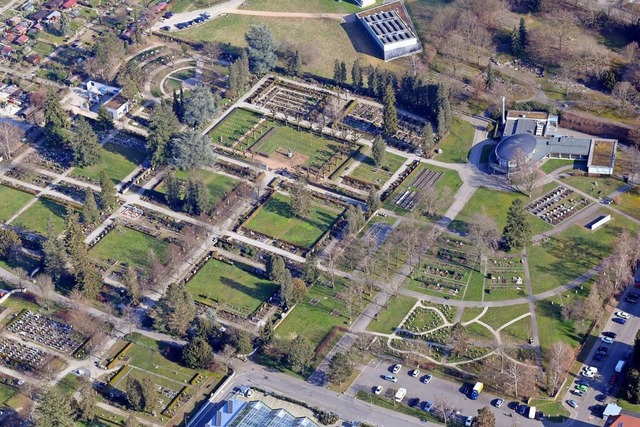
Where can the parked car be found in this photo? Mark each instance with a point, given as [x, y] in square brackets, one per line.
[468, 422]
[607, 340]
[619, 320]
[427, 378]
[579, 393]
[583, 382]
[166, 28]
[599, 357]
[591, 369]
[613, 379]
[582, 387]
[498, 403]
[377, 390]
[415, 373]
[426, 406]
[588, 374]
[602, 349]
[396, 368]
[522, 409]
[391, 378]
[623, 314]
[610, 334]
[631, 300]
[572, 403]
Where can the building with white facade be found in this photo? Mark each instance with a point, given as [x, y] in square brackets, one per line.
[99, 94]
[391, 29]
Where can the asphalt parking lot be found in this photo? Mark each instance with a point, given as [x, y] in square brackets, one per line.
[436, 390]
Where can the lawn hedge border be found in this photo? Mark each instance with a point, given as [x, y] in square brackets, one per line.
[118, 354]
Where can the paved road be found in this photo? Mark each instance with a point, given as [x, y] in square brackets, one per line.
[623, 345]
[214, 11]
[437, 390]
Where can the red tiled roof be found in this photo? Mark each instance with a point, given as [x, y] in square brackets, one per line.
[625, 420]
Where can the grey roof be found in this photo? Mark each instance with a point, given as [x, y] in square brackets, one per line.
[508, 148]
[569, 145]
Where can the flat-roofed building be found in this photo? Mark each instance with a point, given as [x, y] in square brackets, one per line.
[365, 3]
[391, 29]
[531, 136]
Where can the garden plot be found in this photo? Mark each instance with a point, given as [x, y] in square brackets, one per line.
[447, 274]
[45, 331]
[14, 354]
[368, 118]
[422, 320]
[557, 205]
[410, 198]
[237, 129]
[504, 278]
[290, 99]
[283, 146]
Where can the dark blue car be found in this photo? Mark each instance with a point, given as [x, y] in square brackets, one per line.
[619, 320]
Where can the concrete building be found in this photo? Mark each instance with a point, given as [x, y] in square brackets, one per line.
[391, 29]
[531, 136]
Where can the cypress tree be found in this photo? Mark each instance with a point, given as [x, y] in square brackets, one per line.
[490, 79]
[343, 72]
[523, 33]
[390, 114]
[356, 75]
[90, 209]
[517, 232]
[337, 74]
[108, 197]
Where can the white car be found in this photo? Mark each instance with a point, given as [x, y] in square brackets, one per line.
[622, 314]
[396, 368]
[588, 374]
[591, 369]
[468, 422]
[607, 340]
[377, 390]
[415, 373]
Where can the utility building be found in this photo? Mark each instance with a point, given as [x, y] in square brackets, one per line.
[391, 29]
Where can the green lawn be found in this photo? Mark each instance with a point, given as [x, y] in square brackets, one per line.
[498, 316]
[130, 246]
[495, 204]
[329, 6]
[552, 164]
[35, 218]
[316, 150]
[347, 39]
[390, 317]
[366, 170]
[449, 181]
[217, 184]
[117, 161]
[518, 331]
[568, 255]
[6, 392]
[456, 145]
[470, 314]
[276, 219]
[551, 325]
[12, 201]
[233, 126]
[595, 187]
[231, 286]
[315, 321]
[474, 291]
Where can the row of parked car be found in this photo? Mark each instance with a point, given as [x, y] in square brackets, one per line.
[204, 17]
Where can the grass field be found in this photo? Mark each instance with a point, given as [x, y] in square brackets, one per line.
[126, 245]
[495, 204]
[117, 161]
[35, 218]
[217, 184]
[390, 317]
[568, 255]
[234, 125]
[328, 6]
[456, 145]
[6, 393]
[553, 164]
[498, 316]
[346, 41]
[12, 201]
[277, 220]
[471, 313]
[231, 286]
[366, 170]
[306, 143]
[314, 322]
[450, 180]
[595, 187]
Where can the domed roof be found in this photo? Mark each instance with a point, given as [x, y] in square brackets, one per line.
[511, 146]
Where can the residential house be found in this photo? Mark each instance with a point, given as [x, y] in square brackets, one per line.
[33, 59]
[68, 4]
[53, 4]
[39, 15]
[22, 40]
[53, 16]
[20, 30]
[117, 106]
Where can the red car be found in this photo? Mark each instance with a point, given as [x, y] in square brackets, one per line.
[613, 379]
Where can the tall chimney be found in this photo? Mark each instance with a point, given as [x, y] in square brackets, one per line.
[503, 112]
